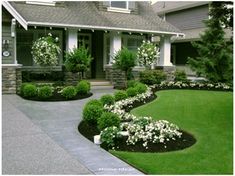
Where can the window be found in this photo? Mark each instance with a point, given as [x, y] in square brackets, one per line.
[119, 4]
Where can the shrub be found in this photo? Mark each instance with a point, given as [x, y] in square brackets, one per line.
[152, 76]
[140, 88]
[94, 102]
[131, 92]
[108, 119]
[108, 136]
[92, 112]
[78, 59]
[45, 92]
[180, 75]
[125, 60]
[131, 83]
[69, 92]
[83, 87]
[107, 99]
[120, 95]
[29, 90]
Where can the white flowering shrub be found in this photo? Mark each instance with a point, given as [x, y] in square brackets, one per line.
[45, 51]
[109, 134]
[192, 85]
[143, 129]
[147, 54]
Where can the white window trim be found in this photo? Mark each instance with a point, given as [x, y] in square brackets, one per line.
[46, 3]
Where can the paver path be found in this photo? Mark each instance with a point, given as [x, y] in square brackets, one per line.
[42, 138]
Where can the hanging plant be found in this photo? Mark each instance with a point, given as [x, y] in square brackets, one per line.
[45, 51]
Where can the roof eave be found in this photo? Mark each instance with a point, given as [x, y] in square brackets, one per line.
[32, 23]
[15, 14]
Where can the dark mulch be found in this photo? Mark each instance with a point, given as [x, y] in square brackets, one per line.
[58, 97]
[186, 140]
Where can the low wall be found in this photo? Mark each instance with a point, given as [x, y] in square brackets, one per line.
[11, 78]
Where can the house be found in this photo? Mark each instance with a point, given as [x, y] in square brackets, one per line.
[104, 27]
[188, 16]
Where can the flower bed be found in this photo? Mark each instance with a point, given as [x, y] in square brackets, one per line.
[48, 92]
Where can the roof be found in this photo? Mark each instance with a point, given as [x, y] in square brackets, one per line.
[194, 34]
[162, 7]
[84, 14]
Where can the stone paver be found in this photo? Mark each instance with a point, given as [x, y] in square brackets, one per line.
[57, 121]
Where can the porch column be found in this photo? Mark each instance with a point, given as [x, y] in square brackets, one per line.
[13, 35]
[115, 45]
[165, 51]
[72, 39]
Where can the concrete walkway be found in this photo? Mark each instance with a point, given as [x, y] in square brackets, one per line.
[42, 138]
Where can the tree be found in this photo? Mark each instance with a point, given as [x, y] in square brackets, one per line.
[215, 58]
[78, 59]
[125, 60]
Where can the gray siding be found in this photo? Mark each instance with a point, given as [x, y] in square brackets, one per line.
[6, 35]
[189, 18]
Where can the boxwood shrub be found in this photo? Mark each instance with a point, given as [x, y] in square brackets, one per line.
[45, 92]
[92, 112]
[140, 88]
[120, 95]
[107, 99]
[83, 87]
[29, 90]
[132, 83]
[108, 119]
[151, 77]
[131, 92]
[69, 92]
[180, 75]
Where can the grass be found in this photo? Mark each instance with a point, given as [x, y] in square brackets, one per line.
[208, 115]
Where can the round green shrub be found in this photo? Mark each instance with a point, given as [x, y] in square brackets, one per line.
[120, 95]
[83, 87]
[45, 92]
[69, 92]
[29, 90]
[131, 92]
[180, 75]
[108, 119]
[152, 76]
[94, 102]
[107, 99]
[131, 83]
[140, 88]
[92, 112]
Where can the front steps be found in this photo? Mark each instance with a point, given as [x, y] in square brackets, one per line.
[100, 84]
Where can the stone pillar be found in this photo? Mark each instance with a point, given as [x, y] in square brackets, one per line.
[119, 78]
[165, 51]
[72, 39]
[115, 45]
[72, 79]
[11, 78]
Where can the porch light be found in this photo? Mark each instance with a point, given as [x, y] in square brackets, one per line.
[141, 33]
[105, 31]
[35, 27]
[118, 32]
[92, 30]
[79, 30]
[50, 28]
[65, 29]
[130, 33]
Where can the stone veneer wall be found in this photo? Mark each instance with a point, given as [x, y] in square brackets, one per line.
[169, 70]
[11, 78]
[72, 79]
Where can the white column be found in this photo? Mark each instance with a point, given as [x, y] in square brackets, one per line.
[165, 51]
[72, 39]
[13, 35]
[115, 45]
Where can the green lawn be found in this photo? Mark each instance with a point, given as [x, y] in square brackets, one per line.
[208, 115]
